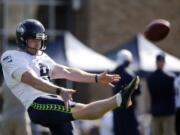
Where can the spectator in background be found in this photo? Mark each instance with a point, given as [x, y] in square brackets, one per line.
[14, 117]
[177, 97]
[161, 89]
[124, 119]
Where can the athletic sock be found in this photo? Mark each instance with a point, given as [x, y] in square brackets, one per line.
[118, 99]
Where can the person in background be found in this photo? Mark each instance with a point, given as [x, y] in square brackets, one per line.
[162, 97]
[124, 120]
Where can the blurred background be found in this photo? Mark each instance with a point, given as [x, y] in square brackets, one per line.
[89, 33]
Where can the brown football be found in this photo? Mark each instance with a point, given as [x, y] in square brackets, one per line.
[157, 30]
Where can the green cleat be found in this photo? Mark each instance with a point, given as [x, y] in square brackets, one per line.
[128, 91]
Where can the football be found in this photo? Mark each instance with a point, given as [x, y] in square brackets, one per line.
[157, 30]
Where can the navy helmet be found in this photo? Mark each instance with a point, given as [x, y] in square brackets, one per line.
[30, 29]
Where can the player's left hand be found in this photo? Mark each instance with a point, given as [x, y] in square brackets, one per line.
[107, 79]
[66, 95]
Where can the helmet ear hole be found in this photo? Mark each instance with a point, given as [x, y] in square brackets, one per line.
[30, 28]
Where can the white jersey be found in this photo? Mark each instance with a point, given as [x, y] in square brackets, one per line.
[177, 91]
[15, 63]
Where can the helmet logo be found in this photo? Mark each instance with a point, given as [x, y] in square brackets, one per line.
[21, 30]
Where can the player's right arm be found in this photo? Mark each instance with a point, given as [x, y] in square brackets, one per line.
[29, 77]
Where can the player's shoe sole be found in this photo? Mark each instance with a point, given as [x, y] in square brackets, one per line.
[128, 91]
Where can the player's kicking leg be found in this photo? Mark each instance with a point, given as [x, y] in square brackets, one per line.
[97, 109]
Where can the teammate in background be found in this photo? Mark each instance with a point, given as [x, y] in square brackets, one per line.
[125, 119]
[28, 71]
[162, 96]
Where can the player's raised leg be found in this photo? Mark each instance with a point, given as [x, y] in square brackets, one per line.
[97, 109]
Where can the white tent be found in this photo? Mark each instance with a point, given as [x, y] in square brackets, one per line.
[148, 53]
[144, 55]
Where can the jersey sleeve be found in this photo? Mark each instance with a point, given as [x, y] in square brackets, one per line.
[14, 65]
